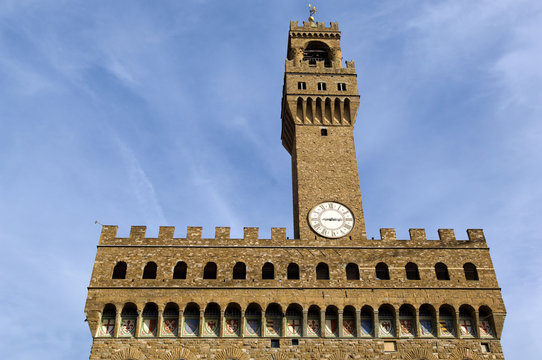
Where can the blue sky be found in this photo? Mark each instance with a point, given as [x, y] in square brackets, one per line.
[168, 113]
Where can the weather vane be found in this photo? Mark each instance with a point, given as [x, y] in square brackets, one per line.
[312, 11]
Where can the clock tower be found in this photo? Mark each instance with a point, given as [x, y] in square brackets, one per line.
[319, 104]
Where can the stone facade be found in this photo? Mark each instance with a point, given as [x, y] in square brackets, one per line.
[312, 297]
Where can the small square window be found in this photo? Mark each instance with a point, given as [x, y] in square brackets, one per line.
[321, 86]
[341, 86]
[390, 346]
[295, 342]
[323, 132]
[302, 85]
[275, 343]
[485, 348]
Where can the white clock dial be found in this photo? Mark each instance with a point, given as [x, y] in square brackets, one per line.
[331, 220]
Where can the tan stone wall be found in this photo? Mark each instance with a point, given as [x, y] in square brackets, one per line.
[313, 349]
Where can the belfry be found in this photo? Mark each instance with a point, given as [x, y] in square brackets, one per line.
[329, 293]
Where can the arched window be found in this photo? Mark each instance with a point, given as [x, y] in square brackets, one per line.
[447, 321]
[367, 321]
[407, 320]
[119, 272]
[191, 316]
[352, 272]
[149, 272]
[294, 317]
[412, 272]
[313, 321]
[209, 272]
[240, 271]
[211, 325]
[107, 325]
[386, 321]
[332, 322]
[273, 318]
[128, 318]
[149, 318]
[293, 271]
[170, 327]
[470, 271]
[466, 321]
[232, 320]
[179, 272]
[441, 270]
[253, 317]
[485, 323]
[349, 321]
[382, 272]
[322, 272]
[317, 51]
[268, 271]
[427, 320]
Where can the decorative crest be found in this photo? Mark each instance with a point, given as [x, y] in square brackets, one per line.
[312, 11]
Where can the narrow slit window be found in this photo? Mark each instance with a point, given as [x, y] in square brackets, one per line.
[323, 132]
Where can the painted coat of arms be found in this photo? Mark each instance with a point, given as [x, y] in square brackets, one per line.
[426, 327]
[232, 327]
[169, 327]
[386, 328]
[366, 327]
[331, 327]
[294, 327]
[127, 327]
[485, 329]
[148, 327]
[313, 327]
[253, 327]
[406, 328]
[108, 326]
[211, 327]
[447, 328]
[349, 327]
[191, 327]
[466, 328]
[273, 327]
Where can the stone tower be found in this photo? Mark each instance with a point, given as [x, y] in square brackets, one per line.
[329, 293]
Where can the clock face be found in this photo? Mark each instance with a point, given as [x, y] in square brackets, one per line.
[331, 220]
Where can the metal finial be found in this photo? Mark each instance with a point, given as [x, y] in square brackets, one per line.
[312, 11]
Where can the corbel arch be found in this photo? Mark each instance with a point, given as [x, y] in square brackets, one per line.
[128, 354]
[419, 354]
[178, 354]
[232, 353]
[464, 353]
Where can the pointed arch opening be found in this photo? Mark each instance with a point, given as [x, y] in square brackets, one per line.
[412, 272]
[322, 271]
[240, 271]
[382, 272]
[179, 271]
[119, 271]
[268, 271]
[209, 272]
[352, 271]
[441, 271]
[149, 272]
[293, 271]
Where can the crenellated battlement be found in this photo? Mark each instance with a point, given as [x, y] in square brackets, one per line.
[319, 26]
[388, 238]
